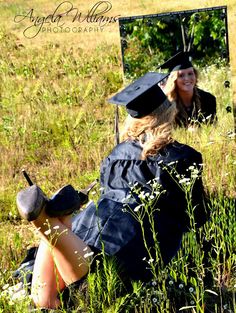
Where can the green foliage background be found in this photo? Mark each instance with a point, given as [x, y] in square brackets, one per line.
[149, 42]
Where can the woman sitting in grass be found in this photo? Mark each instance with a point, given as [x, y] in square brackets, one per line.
[148, 171]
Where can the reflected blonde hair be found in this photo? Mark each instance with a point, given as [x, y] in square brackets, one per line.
[173, 96]
[152, 131]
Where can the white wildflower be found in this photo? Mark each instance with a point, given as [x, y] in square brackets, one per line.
[195, 171]
[136, 209]
[184, 181]
[5, 286]
[155, 185]
[125, 200]
[181, 286]
[142, 195]
[16, 288]
[48, 232]
[19, 295]
[172, 163]
[134, 186]
[87, 255]
[191, 289]
[56, 227]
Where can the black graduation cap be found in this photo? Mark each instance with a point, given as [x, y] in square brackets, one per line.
[143, 96]
[179, 61]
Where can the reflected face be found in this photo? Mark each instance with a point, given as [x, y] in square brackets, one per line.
[186, 80]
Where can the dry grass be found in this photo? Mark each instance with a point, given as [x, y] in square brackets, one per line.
[110, 35]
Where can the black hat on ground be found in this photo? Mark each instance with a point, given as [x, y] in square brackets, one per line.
[143, 96]
[179, 61]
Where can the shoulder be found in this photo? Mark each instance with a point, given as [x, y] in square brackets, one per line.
[205, 94]
[127, 150]
[177, 151]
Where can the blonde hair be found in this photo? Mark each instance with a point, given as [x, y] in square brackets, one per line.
[172, 93]
[152, 131]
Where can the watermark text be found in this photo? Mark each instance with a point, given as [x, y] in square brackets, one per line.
[66, 13]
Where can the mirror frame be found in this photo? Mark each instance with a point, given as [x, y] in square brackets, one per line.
[177, 14]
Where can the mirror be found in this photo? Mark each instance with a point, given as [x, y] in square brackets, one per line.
[147, 41]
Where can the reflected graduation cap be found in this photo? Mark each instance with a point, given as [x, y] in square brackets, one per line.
[143, 96]
[179, 61]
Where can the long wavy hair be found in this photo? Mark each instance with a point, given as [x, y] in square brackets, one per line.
[152, 131]
[171, 92]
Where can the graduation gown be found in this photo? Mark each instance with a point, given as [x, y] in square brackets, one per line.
[106, 225]
[208, 104]
[206, 114]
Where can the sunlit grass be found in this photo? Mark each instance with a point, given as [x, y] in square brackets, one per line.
[55, 122]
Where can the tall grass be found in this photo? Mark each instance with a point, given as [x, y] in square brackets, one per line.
[53, 108]
[56, 123]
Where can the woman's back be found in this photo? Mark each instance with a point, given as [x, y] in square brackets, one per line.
[114, 228]
[124, 167]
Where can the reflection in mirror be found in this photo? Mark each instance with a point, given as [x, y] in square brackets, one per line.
[148, 41]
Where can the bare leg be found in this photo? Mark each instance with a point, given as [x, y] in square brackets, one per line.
[46, 281]
[60, 260]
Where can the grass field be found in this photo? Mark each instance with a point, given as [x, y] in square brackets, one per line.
[55, 122]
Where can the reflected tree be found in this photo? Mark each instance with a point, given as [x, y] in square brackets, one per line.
[148, 41]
